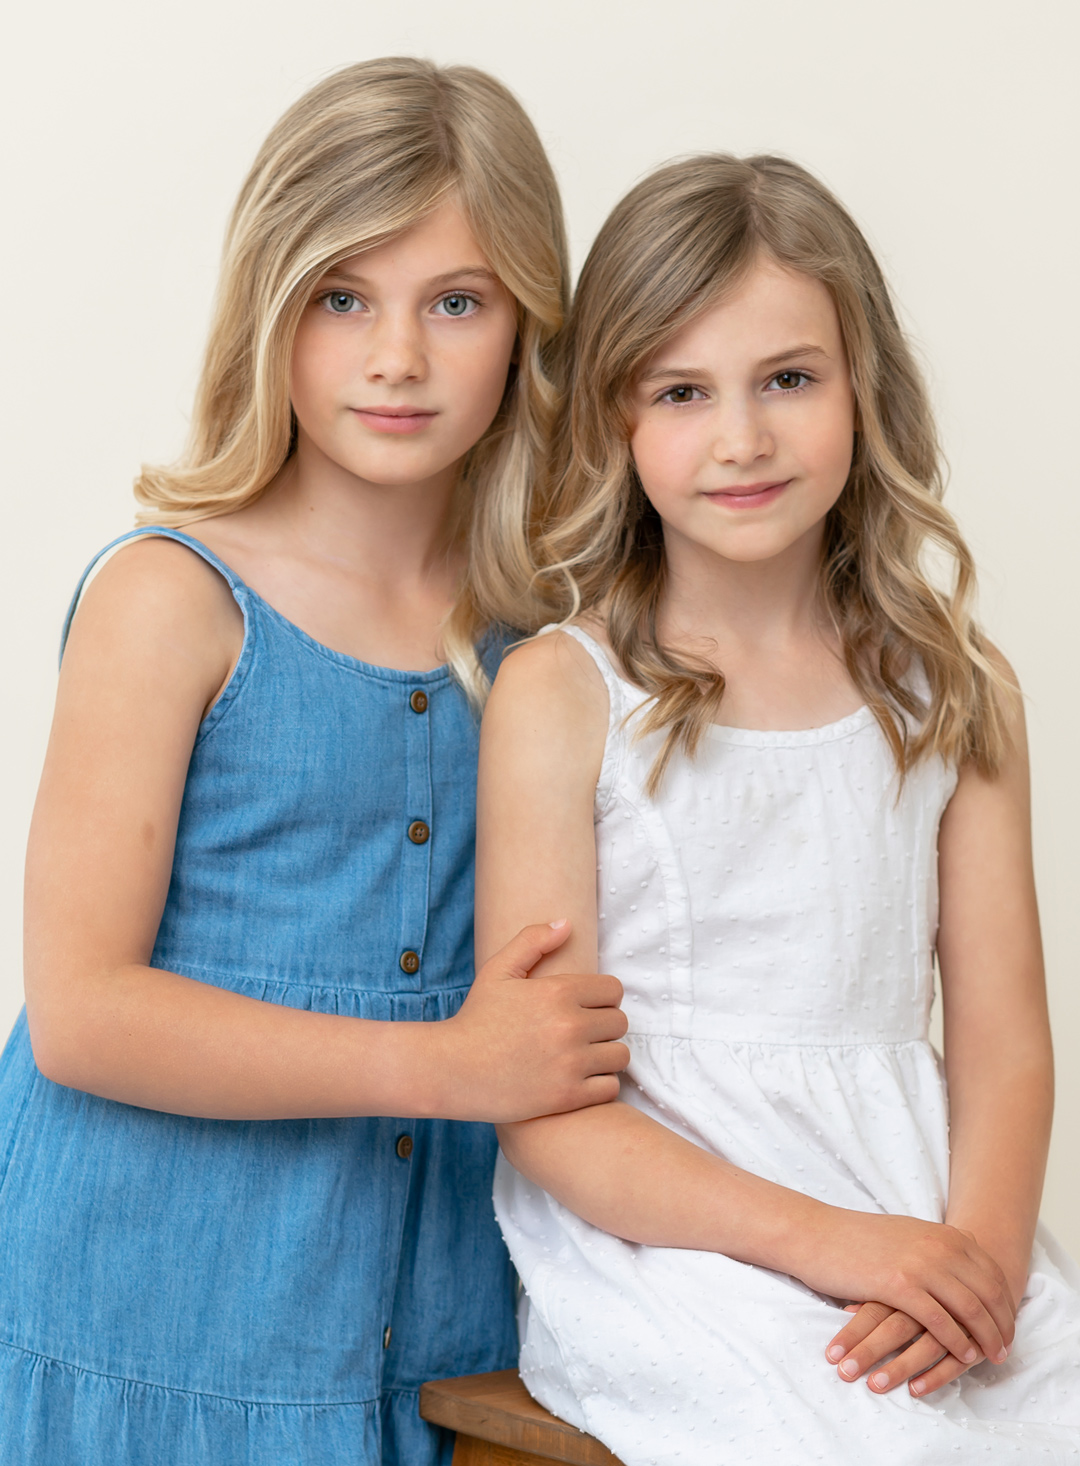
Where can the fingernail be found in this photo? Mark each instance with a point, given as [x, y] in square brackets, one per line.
[555, 925]
[1001, 1356]
[916, 1387]
[849, 1369]
[880, 1380]
[834, 1352]
[971, 1356]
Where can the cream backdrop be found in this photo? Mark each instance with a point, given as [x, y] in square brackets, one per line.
[948, 126]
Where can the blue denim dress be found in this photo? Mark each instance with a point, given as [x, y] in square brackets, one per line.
[186, 1292]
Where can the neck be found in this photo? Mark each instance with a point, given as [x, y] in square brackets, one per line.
[397, 532]
[755, 604]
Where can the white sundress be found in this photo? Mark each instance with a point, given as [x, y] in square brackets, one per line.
[772, 915]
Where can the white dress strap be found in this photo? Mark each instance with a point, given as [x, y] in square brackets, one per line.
[623, 700]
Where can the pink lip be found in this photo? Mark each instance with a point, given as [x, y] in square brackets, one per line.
[394, 419]
[748, 496]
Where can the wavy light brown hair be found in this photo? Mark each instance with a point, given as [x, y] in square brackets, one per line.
[364, 155]
[677, 243]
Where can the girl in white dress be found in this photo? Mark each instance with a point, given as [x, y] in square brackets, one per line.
[770, 768]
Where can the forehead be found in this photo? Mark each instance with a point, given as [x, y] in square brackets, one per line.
[442, 241]
[771, 310]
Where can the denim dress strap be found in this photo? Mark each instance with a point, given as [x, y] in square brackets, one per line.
[155, 531]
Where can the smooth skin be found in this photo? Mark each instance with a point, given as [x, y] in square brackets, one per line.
[742, 439]
[399, 366]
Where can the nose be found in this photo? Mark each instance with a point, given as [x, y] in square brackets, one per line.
[396, 349]
[742, 434]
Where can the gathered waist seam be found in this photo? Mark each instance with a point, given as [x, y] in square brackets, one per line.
[758, 1043]
[146, 1384]
[188, 969]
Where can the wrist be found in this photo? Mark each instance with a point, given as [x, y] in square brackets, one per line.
[400, 1071]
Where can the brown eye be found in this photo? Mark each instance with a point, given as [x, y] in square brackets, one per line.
[680, 394]
[789, 381]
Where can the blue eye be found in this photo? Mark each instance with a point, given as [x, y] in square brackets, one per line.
[457, 304]
[341, 302]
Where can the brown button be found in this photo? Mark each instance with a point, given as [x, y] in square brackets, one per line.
[418, 701]
[404, 1146]
[419, 832]
[409, 962]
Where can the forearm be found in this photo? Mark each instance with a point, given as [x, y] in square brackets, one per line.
[166, 1042]
[631, 1176]
[999, 1136]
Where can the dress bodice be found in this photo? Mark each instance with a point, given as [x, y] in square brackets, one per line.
[328, 809]
[782, 886]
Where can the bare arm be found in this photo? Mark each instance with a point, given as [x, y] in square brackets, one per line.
[541, 751]
[151, 647]
[998, 1057]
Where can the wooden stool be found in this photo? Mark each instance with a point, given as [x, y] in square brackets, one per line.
[498, 1423]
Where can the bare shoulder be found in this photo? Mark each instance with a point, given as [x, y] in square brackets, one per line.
[157, 600]
[553, 673]
[549, 707]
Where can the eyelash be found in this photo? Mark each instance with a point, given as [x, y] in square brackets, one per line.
[807, 380]
[325, 295]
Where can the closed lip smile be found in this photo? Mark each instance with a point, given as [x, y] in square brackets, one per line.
[748, 496]
[395, 419]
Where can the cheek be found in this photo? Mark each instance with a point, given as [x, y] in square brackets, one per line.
[665, 459]
[313, 372]
[830, 448]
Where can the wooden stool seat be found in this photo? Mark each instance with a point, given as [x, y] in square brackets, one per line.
[498, 1423]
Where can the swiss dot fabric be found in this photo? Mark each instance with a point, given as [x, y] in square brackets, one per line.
[772, 915]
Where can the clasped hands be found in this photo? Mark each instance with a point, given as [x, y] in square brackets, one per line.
[947, 1306]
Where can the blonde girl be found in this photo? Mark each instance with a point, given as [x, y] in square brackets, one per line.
[245, 1204]
[771, 768]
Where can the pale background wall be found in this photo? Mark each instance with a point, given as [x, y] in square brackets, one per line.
[948, 126]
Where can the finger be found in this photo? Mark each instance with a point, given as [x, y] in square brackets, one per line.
[889, 1336]
[942, 1373]
[989, 1283]
[524, 951]
[941, 1325]
[600, 990]
[917, 1357]
[867, 1317]
[969, 1310]
[598, 1089]
[602, 1025]
[611, 1058]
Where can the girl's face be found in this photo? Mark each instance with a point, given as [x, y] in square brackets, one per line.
[744, 421]
[401, 356]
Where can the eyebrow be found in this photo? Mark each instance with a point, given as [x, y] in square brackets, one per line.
[683, 374]
[467, 272]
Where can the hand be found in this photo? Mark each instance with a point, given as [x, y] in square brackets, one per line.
[525, 1046]
[934, 1274]
[877, 1331]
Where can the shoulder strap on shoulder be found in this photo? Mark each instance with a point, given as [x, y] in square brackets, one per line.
[620, 692]
[235, 584]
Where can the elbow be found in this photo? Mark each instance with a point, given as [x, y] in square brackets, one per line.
[56, 1048]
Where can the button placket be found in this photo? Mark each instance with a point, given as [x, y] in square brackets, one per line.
[417, 836]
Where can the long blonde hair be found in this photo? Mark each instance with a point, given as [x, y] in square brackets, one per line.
[676, 244]
[362, 156]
